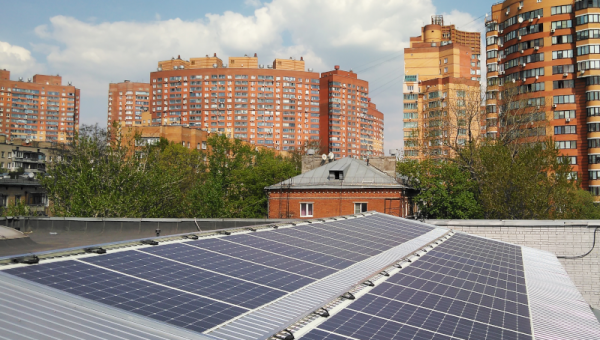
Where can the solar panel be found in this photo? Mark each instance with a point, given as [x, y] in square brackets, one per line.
[255, 284]
[202, 284]
[467, 281]
[135, 295]
[188, 278]
[239, 268]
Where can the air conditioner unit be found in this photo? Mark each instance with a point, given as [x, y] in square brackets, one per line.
[524, 64]
[501, 31]
[536, 48]
[568, 120]
[538, 107]
[514, 81]
[554, 106]
[520, 7]
[524, 79]
[500, 45]
[537, 77]
[531, 20]
[582, 71]
[522, 51]
[539, 17]
[565, 75]
[520, 37]
[552, 30]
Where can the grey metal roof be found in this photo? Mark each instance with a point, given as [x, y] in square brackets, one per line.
[356, 174]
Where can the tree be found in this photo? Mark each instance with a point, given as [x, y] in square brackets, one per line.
[445, 192]
[123, 176]
[93, 176]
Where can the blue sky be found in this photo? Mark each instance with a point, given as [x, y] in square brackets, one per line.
[93, 43]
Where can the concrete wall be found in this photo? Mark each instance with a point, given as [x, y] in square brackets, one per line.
[562, 238]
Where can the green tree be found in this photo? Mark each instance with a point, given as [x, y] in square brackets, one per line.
[97, 175]
[445, 191]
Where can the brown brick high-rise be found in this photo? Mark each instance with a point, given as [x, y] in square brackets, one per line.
[40, 109]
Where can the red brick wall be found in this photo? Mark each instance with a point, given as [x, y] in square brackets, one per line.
[331, 203]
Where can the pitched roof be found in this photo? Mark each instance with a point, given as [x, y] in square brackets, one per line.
[356, 174]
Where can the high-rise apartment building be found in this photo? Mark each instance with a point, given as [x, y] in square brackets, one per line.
[350, 124]
[281, 105]
[40, 109]
[273, 105]
[550, 50]
[441, 83]
[127, 101]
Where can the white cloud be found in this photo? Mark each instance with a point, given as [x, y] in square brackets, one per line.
[17, 59]
[350, 33]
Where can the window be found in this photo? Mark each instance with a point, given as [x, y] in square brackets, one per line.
[561, 9]
[565, 130]
[568, 99]
[360, 208]
[565, 144]
[306, 210]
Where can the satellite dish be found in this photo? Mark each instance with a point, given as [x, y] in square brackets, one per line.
[520, 20]
[31, 175]
[324, 157]
[331, 156]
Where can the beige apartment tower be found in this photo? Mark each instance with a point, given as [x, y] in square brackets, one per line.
[442, 82]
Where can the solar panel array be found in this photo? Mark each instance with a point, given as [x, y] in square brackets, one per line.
[202, 284]
[466, 288]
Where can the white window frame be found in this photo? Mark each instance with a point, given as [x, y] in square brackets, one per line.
[312, 209]
[359, 206]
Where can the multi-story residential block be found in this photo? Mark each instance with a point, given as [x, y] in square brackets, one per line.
[281, 105]
[127, 101]
[442, 82]
[41, 109]
[550, 50]
[272, 105]
[350, 125]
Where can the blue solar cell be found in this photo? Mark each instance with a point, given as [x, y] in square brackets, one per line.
[235, 267]
[291, 251]
[283, 237]
[144, 298]
[466, 288]
[264, 258]
[187, 278]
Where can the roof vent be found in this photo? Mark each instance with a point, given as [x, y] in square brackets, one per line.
[323, 313]
[26, 259]
[95, 250]
[349, 296]
[191, 237]
[369, 283]
[286, 334]
[150, 242]
[223, 232]
[384, 273]
[251, 229]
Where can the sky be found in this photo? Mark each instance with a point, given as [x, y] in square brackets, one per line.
[94, 43]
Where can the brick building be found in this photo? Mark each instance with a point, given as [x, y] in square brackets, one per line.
[550, 49]
[350, 125]
[442, 63]
[40, 109]
[342, 187]
[281, 105]
[267, 105]
[127, 101]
